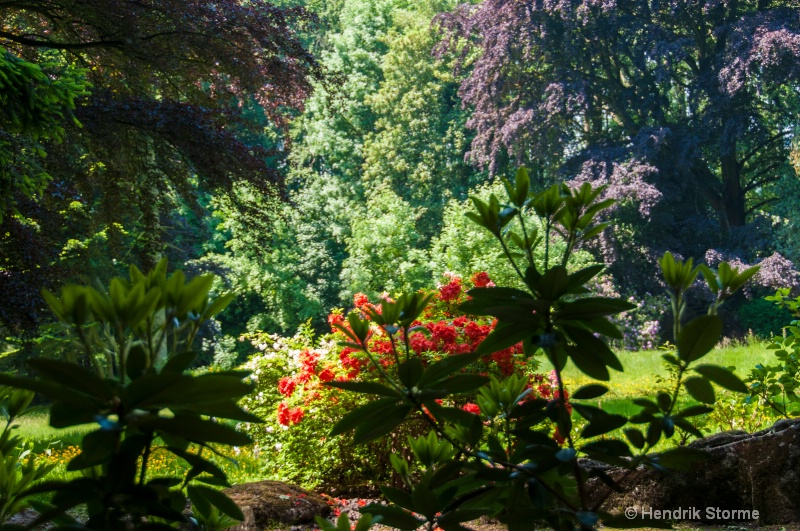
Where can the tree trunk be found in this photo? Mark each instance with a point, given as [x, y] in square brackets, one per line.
[733, 213]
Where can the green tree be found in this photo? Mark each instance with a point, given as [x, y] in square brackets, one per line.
[382, 250]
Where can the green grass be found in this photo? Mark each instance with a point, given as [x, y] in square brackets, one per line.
[644, 368]
[35, 427]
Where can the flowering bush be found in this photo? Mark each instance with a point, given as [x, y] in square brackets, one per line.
[504, 462]
[291, 373]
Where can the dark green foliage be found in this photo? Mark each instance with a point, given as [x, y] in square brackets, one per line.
[764, 318]
[128, 374]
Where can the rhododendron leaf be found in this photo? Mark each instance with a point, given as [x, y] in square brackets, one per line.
[398, 497]
[73, 376]
[595, 346]
[700, 389]
[588, 363]
[693, 411]
[579, 278]
[380, 426]
[601, 325]
[199, 463]
[445, 367]
[219, 500]
[503, 336]
[53, 391]
[410, 372]
[180, 362]
[739, 280]
[698, 337]
[394, 517]
[196, 430]
[592, 307]
[411, 307]
[680, 457]
[372, 388]
[636, 437]
[223, 409]
[711, 278]
[365, 413]
[601, 424]
[722, 377]
[483, 298]
[462, 383]
[588, 392]
[553, 283]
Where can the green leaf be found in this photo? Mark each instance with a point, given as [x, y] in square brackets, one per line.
[587, 363]
[377, 427]
[603, 424]
[445, 367]
[73, 376]
[217, 499]
[365, 414]
[588, 392]
[505, 335]
[700, 389]
[398, 497]
[462, 383]
[410, 372]
[394, 517]
[698, 337]
[635, 437]
[722, 377]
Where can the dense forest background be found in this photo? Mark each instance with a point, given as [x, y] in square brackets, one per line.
[337, 155]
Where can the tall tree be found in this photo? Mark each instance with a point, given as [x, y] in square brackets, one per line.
[180, 91]
[701, 95]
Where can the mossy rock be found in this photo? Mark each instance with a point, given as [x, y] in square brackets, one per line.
[266, 503]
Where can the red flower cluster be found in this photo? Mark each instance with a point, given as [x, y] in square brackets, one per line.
[482, 280]
[472, 408]
[287, 415]
[286, 386]
[450, 291]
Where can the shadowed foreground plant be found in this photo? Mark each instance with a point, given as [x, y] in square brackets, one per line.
[517, 457]
[128, 375]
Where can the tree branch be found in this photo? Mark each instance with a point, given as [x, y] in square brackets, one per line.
[70, 46]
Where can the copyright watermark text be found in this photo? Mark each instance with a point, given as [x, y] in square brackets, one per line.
[692, 513]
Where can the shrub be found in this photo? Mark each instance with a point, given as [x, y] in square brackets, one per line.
[764, 318]
[127, 374]
[290, 376]
[504, 460]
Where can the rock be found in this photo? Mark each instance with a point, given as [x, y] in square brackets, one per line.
[266, 503]
[759, 471]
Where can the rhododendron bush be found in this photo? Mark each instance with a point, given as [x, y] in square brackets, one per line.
[290, 374]
[498, 455]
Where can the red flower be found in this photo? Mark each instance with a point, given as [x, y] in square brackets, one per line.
[450, 291]
[308, 360]
[296, 415]
[286, 386]
[481, 280]
[283, 414]
[359, 300]
[419, 343]
[326, 375]
[460, 321]
[334, 319]
[472, 408]
[442, 332]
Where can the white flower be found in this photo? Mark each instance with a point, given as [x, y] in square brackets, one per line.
[278, 446]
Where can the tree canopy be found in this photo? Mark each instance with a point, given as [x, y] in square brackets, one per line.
[702, 96]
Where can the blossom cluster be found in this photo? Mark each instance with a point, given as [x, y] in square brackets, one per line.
[441, 331]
